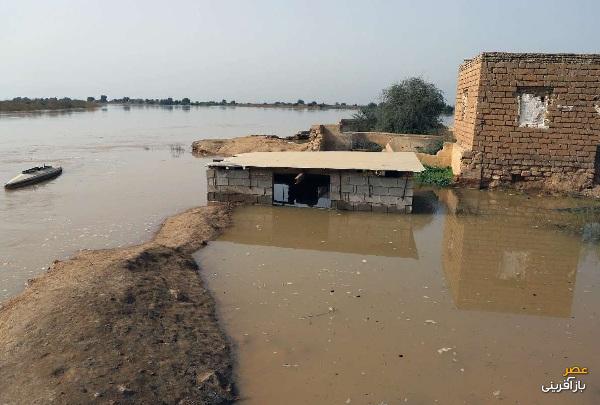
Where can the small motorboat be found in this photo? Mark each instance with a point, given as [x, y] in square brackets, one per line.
[34, 175]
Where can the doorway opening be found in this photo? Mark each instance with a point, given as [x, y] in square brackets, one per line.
[301, 190]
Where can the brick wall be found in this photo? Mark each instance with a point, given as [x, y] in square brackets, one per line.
[500, 145]
[251, 186]
[467, 97]
[349, 190]
[364, 191]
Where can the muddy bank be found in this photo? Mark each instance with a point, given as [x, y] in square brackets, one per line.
[132, 325]
[254, 143]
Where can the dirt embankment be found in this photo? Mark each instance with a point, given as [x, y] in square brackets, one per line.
[133, 325]
[254, 143]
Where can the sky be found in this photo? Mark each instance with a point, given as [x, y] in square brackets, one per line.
[266, 51]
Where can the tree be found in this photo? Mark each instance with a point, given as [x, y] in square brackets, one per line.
[91, 99]
[185, 101]
[300, 101]
[366, 118]
[103, 99]
[411, 106]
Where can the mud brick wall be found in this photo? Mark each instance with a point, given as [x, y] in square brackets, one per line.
[499, 146]
[364, 191]
[251, 186]
[467, 97]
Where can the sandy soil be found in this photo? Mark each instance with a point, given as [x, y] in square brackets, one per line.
[251, 143]
[133, 325]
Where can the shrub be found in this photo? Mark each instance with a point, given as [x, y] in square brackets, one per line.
[435, 176]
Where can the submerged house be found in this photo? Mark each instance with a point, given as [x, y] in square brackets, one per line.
[528, 117]
[360, 181]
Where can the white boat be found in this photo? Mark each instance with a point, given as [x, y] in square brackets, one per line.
[34, 175]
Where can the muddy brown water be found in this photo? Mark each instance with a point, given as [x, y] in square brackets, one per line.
[125, 170]
[476, 298]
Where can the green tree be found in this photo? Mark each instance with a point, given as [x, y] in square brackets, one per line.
[411, 106]
[91, 99]
[300, 101]
[103, 99]
[185, 101]
[365, 118]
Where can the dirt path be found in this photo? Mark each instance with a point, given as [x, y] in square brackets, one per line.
[133, 325]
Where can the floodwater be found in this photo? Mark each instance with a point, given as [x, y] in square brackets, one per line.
[125, 170]
[477, 297]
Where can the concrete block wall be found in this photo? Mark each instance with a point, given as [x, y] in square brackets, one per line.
[251, 186]
[499, 146]
[364, 191]
[349, 190]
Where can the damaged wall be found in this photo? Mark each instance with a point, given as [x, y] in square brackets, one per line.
[528, 117]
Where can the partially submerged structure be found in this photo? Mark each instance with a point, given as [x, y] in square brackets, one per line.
[361, 181]
[528, 117]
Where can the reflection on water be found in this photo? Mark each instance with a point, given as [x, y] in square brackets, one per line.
[359, 233]
[445, 305]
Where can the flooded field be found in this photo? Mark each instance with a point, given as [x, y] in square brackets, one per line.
[125, 170]
[477, 297]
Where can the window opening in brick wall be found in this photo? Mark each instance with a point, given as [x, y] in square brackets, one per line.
[533, 106]
[301, 190]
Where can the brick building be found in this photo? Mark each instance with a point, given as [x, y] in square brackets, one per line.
[528, 117]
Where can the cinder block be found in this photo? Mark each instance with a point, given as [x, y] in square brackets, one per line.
[265, 199]
[239, 182]
[210, 173]
[362, 190]
[390, 200]
[384, 181]
[363, 207]
[238, 174]
[212, 188]
[347, 188]
[222, 181]
[379, 190]
[221, 173]
[396, 191]
[358, 180]
[356, 198]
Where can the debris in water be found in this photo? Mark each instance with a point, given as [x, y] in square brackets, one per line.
[431, 321]
[364, 260]
[444, 349]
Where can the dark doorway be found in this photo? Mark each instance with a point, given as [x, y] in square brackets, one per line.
[597, 166]
[301, 190]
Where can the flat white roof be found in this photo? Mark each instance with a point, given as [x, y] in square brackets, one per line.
[391, 161]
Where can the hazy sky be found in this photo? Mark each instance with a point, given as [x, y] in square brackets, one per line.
[269, 50]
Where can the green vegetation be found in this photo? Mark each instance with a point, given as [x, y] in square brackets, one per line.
[32, 104]
[435, 176]
[411, 106]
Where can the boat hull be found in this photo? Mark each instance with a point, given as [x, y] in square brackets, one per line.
[42, 175]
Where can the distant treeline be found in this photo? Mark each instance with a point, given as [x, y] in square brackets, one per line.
[53, 103]
[32, 104]
[186, 101]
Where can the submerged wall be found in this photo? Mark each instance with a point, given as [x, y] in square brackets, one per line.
[349, 190]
